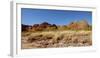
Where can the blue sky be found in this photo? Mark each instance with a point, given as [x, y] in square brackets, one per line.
[59, 17]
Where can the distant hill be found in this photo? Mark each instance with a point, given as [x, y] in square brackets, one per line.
[25, 27]
[83, 24]
[79, 25]
[38, 27]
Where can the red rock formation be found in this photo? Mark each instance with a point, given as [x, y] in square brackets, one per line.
[38, 27]
[79, 25]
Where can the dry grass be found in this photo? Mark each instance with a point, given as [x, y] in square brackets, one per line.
[52, 39]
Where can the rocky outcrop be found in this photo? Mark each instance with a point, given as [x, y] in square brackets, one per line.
[26, 27]
[79, 25]
[38, 27]
[43, 26]
[83, 24]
